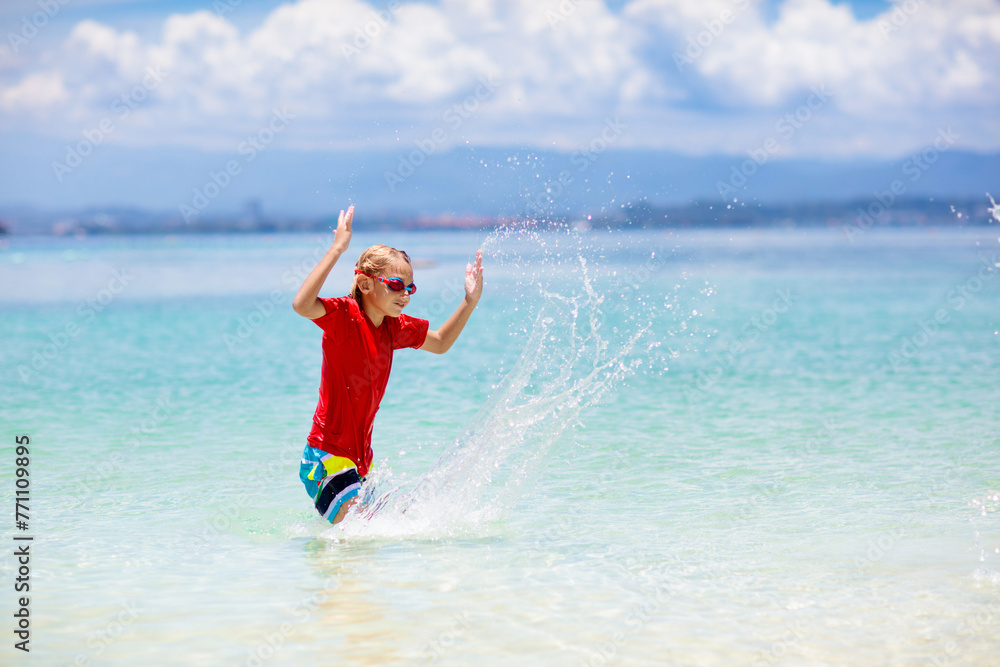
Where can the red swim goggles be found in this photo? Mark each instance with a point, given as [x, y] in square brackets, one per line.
[395, 284]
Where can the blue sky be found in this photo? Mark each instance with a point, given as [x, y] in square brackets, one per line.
[141, 14]
[819, 79]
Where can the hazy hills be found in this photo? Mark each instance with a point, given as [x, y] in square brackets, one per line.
[193, 188]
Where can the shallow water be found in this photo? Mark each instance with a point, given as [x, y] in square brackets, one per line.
[741, 447]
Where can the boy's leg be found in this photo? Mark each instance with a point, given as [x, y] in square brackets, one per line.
[344, 508]
[331, 481]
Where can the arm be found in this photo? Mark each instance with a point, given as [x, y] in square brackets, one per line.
[306, 303]
[441, 340]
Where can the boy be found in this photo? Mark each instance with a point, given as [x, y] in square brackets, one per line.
[360, 332]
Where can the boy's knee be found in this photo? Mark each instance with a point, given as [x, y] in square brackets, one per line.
[344, 509]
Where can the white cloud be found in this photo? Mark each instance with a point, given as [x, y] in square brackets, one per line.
[926, 57]
[36, 94]
[355, 77]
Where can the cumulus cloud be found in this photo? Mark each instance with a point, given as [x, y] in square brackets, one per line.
[36, 93]
[933, 55]
[714, 75]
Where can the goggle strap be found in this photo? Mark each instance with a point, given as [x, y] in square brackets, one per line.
[395, 284]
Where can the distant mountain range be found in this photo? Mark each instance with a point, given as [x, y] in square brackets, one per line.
[852, 217]
[132, 188]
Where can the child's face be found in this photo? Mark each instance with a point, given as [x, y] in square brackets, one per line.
[383, 299]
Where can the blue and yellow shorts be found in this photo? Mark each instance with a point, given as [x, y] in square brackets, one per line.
[329, 480]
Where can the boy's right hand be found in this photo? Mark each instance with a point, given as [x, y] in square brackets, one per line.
[342, 238]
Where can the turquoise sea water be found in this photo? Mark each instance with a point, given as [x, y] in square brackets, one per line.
[647, 448]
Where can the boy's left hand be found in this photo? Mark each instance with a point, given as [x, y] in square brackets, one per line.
[474, 280]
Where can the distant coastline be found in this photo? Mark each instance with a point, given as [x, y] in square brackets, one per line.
[859, 214]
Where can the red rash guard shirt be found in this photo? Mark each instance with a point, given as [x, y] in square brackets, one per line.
[357, 357]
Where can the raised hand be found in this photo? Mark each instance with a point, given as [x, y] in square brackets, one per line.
[474, 280]
[306, 302]
[342, 239]
[440, 340]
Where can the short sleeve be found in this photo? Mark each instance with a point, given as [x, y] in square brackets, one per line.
[336, 310]
[410, 332]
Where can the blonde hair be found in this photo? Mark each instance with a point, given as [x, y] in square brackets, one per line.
[374, 261]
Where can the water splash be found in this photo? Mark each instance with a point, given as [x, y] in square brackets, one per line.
[985, 513]
[994, 208]
[586, 331]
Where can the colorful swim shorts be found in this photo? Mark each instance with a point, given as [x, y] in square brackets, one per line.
[329, 480]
